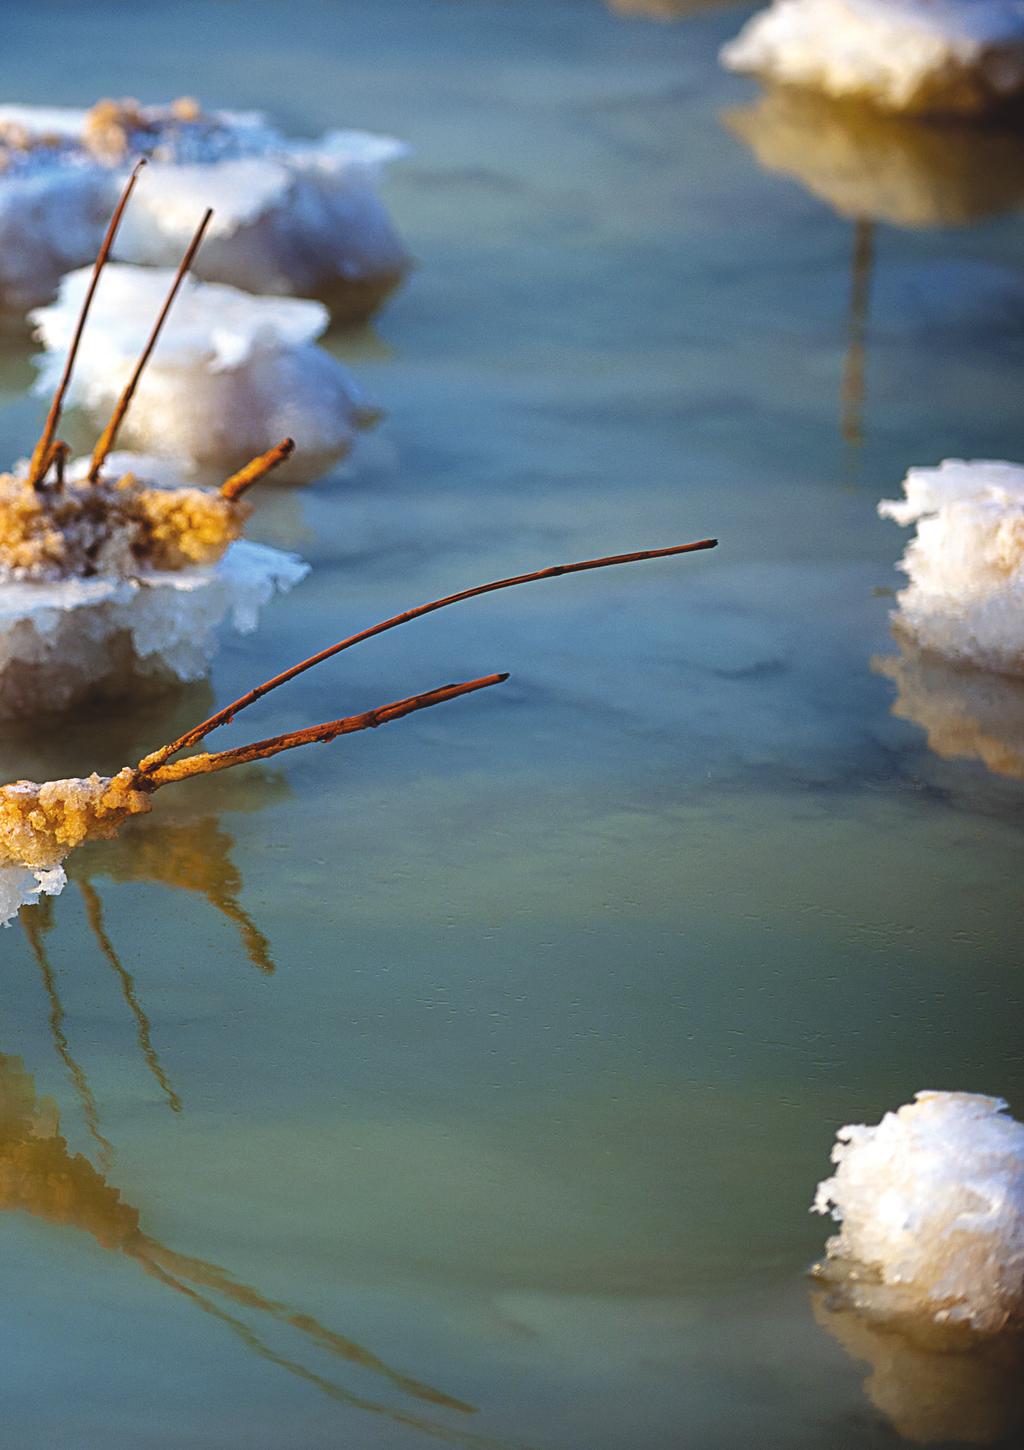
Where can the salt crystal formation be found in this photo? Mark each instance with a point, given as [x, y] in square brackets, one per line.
[292, 217]
[41, 824]
[966, 562]
[109, 584]
[968, 714]
[931, 1207]
[919, 57]
[232, 373]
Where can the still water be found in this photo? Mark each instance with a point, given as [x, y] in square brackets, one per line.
[490, 1060]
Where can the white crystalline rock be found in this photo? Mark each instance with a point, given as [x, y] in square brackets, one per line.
[294, 218]
[231, 376]
[966, 562]
[931, 1207]
[63, 641]
[955, 57]
[21, 886]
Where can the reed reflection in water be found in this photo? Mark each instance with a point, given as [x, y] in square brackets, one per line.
[877, 169]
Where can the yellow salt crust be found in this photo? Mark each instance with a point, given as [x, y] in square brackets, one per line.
[40, 824]
[110, 527]
[111, 125]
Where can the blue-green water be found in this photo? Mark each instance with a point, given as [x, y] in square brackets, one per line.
[575, 980]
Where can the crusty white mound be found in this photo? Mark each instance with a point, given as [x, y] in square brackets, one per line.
[22, 886]
[930, 1203]
[293, 218]
[64, 640]
[965, 599]
[920, 57]
[232, 374]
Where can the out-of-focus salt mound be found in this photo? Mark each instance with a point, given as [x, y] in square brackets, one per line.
[931, 1207]
[864, 164]
[232, 373]
[965, 563]
[919, 57]
[968, 714]
[298, 218]
[935, 1383]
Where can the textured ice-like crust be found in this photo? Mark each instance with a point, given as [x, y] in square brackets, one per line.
[954, 57]
[20, 886]
[931, 1207]
[966, 562]
[291, 217]
[64, 641]
[232, 375]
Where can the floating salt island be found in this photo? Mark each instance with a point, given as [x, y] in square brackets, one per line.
[965, 599]
[930, 1203]
[40, 825]
[918, 57]
[233, 373]
[293, 218]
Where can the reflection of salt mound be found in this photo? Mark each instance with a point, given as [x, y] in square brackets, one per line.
[968, 714]
[931, 1203]
[935, 1383]
[966, 562]
[292, 218]
[865, 164]
[953, 57]
[232, 373]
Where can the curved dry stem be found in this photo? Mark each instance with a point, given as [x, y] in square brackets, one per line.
[198, 732]
[108, 437]
[207, 764]
[42, 448]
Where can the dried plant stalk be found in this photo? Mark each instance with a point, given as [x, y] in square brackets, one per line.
[42, 448]
[199, 732]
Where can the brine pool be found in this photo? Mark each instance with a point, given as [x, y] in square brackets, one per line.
[509, 1043]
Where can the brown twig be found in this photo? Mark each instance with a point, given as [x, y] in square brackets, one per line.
[239, 483]
[198, 732]
[206, 764]
[56, 459]
[42, 448]
[108, 437]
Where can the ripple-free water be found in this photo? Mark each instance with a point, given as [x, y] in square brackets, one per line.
[574, 980]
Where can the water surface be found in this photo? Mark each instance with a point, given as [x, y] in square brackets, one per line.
[509, 1042]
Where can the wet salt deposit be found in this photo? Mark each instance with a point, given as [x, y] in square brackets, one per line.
[965, 563]
[920, 57]
[930, 1203]
[232, 374]
[299, 218]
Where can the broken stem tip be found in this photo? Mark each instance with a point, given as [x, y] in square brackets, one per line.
[239, 483]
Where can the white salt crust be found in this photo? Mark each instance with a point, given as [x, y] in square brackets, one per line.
[20, 886]
[920, 57]
[60, 642]
[292, 218]
[965, 563]
[931, 1207]
[231, 375]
